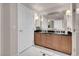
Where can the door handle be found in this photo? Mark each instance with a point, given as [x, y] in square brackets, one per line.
[20, 30]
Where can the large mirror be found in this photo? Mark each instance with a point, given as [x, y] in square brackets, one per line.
[54, 21]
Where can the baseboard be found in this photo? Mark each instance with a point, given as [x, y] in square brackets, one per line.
[25, 49]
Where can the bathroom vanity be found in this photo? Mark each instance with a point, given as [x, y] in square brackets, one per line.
[58, 42]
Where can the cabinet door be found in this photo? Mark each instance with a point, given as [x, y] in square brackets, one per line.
[43, 38]
[69, 44]
[48, 41]
[66, 44]
[63, 44]
[55, 42]
[38, 38]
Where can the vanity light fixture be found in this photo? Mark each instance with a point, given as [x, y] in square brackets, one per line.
[68, 12]
[36, 16]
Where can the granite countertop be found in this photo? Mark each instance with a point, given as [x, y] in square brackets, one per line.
[56, 34]
[53, 32]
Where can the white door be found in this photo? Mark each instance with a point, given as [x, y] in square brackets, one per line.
[25, 27]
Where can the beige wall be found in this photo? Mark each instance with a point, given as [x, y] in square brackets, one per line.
[5, 29]
[8, 29]
[13, 30]
[0, 29]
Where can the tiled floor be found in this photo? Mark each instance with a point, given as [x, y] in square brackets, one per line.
[40, 51]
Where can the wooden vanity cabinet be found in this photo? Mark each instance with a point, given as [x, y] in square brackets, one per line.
[60, 43]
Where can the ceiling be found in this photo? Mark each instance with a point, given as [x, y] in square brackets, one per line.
[49, 10]
[45, 8]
